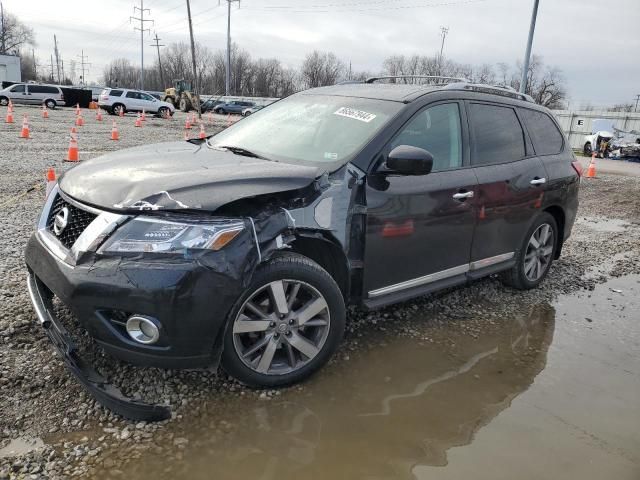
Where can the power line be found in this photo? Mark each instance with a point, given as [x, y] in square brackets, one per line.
[142, 21]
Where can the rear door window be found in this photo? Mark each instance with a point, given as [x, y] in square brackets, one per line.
[133, 95]
[115, 93]
[546, 138]
[437, 130]
[497, 134]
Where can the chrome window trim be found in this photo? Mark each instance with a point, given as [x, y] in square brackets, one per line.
[442, 274]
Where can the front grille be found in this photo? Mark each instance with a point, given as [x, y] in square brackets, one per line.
[77, 221]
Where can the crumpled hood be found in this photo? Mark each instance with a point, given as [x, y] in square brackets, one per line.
[178, 175]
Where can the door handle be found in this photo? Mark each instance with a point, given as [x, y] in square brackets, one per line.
[538, 181]
[463, 195]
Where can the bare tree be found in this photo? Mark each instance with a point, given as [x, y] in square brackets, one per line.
[545, 84]
[320, 69]
[14, 35]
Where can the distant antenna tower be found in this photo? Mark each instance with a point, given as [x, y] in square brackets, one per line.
[142, 21]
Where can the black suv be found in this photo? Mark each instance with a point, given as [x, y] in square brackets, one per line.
[246, 247]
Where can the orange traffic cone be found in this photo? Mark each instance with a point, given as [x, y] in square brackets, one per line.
[186, 134]
[143, 117]
[25, 127]
[9, 118]
[99, 115]
[45, 112]
[79, 121]
[187, 123]
[202, 135]
[10, 107]
[138, 121]
[121, 112]
[210, 118]
[72, 154]
[51, 180]
[77, 109]
[591, 171]
[114, 132]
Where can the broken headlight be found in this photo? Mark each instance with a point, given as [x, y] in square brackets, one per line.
[147, 234]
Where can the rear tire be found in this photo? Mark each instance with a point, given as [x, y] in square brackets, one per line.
[4, 101]
[586, 150]
[272, 354]
[535, 256]
[50, 104]
[115, 110]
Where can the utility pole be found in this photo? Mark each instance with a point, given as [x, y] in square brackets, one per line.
[2, 35]
[142, 21]
[82, 64]
[443, 33]
[35, 65]
[193, 60]
[51, 68]
[637, 99]
[57, 54]
[158, 45]
[527, 55]
[227, 82]
[62, 63]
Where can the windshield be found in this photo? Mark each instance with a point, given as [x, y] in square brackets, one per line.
[309, 128]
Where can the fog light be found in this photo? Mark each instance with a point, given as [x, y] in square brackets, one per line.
[142, 329]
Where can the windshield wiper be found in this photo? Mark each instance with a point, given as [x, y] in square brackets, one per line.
[241, 151]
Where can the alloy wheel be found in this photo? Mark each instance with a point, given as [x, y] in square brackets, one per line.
[281, 327]
[539, 250]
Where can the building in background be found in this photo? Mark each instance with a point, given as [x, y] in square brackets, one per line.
[10, 68]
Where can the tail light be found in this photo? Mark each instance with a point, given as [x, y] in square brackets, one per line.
[577, 166]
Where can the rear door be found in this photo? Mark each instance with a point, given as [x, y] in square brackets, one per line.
[132, 101]
[511, 182]
[420, 228]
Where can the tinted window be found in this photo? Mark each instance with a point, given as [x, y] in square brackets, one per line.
[144, 96]
[18, 89]
[42, 89]
[546, 138]
[497, 134]
[436, 129]
[115, 93]
[133, 95]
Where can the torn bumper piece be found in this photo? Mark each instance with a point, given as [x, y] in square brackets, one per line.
[107, 394]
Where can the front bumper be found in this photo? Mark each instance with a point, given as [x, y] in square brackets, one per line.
[107, 394]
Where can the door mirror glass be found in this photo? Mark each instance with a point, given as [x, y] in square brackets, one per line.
[409, 160]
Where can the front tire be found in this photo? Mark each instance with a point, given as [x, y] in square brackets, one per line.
[185, 105]
[586, 150]
[536, 255]
[286, 325]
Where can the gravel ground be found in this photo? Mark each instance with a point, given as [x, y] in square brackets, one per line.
[40, 400]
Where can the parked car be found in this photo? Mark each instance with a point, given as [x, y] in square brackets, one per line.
[245, 248]
[210, 105]
[598, 140]
[32, 94]
[95, 91]
[248, 111]
[235, 106]
[114, 100]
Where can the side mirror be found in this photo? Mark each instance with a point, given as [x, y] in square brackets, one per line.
[408, 160]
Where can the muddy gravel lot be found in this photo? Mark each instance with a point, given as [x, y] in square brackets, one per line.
[50, 428]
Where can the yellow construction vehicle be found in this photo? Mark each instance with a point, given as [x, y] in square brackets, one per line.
[181, 96]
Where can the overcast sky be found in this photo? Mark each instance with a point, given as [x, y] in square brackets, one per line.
[595, 43]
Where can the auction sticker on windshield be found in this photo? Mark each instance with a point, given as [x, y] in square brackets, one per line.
[355, 114]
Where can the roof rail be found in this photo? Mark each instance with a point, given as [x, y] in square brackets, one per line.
[430, 77]
[503, 90]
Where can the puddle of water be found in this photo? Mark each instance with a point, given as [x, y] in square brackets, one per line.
[608, 225]
[21, 446]
[537, 393]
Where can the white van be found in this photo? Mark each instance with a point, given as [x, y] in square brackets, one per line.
[32, 94]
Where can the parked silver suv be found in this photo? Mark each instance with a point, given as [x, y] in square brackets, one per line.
[32, 94]
[114, 100]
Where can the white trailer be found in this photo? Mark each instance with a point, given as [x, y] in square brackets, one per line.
[10, 68]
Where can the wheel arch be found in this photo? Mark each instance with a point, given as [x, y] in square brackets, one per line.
[326, 253]
[559, 216]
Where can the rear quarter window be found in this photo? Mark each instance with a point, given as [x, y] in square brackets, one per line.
[497, 134]
[546, 138]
